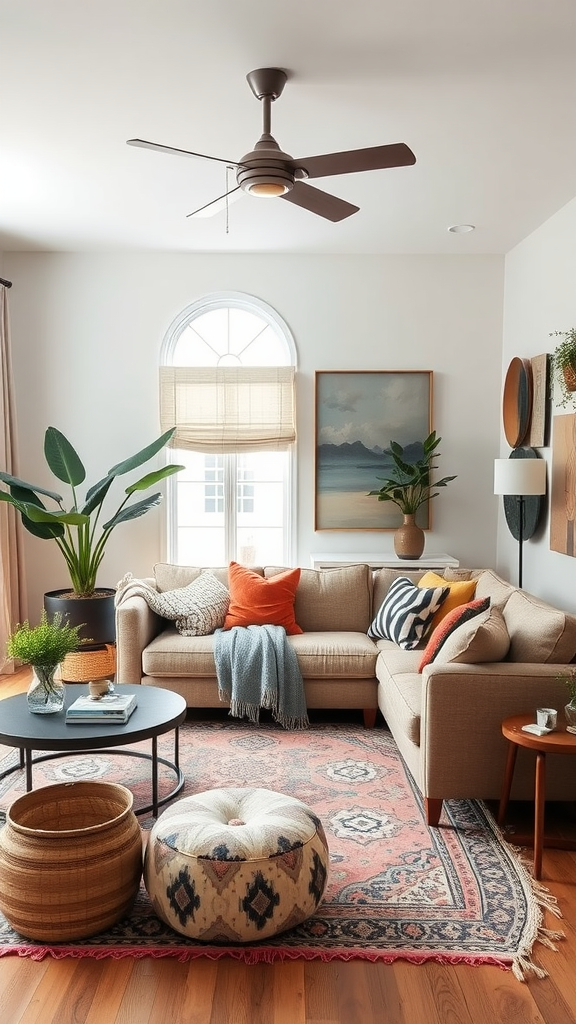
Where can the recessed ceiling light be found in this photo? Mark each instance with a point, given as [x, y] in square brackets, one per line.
[461, 229]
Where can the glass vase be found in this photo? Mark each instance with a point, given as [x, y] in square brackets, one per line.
[46, 691]
[570, 715]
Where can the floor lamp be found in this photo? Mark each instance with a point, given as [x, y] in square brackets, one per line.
[520, 478]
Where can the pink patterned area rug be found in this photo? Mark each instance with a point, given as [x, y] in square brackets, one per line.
[397, 889]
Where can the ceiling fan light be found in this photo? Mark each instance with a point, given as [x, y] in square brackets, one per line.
[267, 189]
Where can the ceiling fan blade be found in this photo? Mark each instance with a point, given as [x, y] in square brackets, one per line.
[217, 204]
[317, 201]
[372, 159]
[142, 144]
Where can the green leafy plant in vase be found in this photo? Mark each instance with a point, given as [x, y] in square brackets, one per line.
[44, 647]
[408, 485]
[564, 365]
[569, 677]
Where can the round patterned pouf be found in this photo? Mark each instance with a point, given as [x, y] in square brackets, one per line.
[236, 865]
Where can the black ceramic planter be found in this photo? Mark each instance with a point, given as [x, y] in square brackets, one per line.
[96, 612]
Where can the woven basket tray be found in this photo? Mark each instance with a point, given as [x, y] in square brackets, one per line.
[84, 666]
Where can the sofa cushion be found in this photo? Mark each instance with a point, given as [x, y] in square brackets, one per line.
[489, 584]
[171, 655]
[383, 580]
[538, 632]
[320, 655]
[169, 576]
[405, 614]
[461, 591]
[400, 691]
[332, 599]
[480, 639]
[255, 601]
[335, 655]
[455, 575]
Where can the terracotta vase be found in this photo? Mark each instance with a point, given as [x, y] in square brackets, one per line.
[409, 539]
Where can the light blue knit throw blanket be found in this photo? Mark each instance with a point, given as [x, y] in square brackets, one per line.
[257, 668]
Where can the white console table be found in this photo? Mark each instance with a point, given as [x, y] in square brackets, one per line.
[385, 561]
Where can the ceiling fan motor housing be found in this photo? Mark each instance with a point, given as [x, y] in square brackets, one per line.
[266, 171]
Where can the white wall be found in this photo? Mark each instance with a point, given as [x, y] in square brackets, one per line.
[86, 336]
[540, 298]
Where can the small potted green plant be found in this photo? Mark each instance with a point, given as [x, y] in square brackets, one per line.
[43, 647]
[408, 486]
[564, 365]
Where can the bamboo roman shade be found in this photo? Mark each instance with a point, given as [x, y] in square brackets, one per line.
[224, 409]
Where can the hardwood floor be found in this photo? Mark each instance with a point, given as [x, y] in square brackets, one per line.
[158, 991]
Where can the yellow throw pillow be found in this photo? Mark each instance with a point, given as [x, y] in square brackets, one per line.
[461, 592]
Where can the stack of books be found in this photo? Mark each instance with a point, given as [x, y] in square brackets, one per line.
[113, 707]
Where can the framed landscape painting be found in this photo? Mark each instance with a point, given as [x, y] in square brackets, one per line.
[358, 414]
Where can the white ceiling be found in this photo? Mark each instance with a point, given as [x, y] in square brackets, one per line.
[483, 91]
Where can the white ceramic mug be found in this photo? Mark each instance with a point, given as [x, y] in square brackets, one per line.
[547, 718]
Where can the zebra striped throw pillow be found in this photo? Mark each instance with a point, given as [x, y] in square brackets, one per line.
[405, 615]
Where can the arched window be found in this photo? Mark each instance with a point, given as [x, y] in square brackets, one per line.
[227, 383]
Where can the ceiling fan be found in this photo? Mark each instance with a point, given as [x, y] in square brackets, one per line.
[269, 172]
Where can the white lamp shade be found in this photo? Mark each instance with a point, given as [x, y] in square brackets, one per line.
[519, 476]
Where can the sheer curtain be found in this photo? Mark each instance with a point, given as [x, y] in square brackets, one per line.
[12, 583]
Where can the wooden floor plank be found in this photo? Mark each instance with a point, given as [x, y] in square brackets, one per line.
[19, 979]
[288, 987]
[113, 978]
[322, 981]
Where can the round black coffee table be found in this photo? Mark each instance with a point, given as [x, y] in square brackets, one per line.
[157, 712]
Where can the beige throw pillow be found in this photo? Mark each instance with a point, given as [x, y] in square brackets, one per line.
[480, 639]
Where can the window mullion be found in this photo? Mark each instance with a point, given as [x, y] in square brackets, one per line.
[230, 506]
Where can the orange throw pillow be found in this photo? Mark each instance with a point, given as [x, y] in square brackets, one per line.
[255, 601]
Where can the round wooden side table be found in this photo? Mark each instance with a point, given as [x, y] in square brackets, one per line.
[557, 742]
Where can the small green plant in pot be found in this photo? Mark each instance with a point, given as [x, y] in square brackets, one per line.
[564, 365]
[44, 647]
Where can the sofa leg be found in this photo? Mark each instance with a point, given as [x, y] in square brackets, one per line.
[369, 717]
[433, 810]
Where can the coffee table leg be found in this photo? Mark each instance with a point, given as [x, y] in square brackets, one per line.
[155, 776]
[177, 747]
[539, 802]
[28, 766]
[507, 783]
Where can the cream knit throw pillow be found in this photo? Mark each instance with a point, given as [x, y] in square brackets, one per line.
[196, 610]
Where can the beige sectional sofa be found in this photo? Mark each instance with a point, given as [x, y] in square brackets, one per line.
[445, 719]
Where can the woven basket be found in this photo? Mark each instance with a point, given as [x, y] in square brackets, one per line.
[70, 860]
[84, 666]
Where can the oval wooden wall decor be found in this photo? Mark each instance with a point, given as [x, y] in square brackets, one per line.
[517, 401]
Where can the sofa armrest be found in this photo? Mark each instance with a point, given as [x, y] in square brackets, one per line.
[136, 626]
[463, 707]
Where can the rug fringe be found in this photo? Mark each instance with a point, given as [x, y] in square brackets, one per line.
[523, 966]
